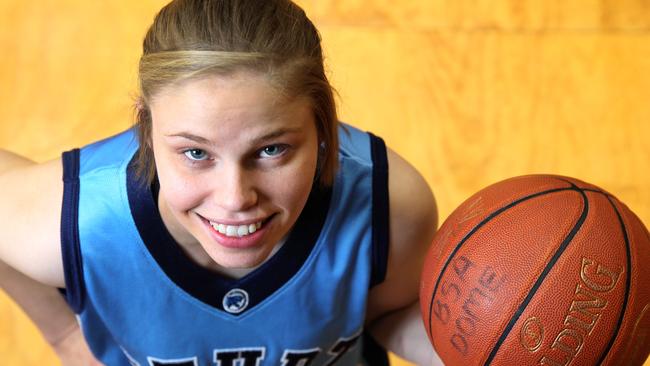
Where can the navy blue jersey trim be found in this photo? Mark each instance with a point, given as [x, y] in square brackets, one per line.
[380, 209]
[210, 287]
[70, 250]
[373, 353]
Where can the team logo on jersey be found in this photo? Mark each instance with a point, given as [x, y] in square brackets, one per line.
[235, 301]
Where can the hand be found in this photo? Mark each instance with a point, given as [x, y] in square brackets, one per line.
[73, 350]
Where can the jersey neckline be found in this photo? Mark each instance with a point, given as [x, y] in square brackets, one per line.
[213, 288]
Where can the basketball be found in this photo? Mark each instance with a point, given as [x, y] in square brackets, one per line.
[539, 270]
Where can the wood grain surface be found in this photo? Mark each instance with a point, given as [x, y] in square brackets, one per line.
[470, 92]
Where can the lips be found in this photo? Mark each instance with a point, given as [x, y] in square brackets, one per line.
[237, 235]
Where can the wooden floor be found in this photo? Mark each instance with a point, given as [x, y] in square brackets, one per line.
[471, 92]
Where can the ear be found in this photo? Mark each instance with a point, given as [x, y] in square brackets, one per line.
[143, 121]
[141, 109]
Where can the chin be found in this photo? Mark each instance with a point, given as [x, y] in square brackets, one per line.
[239, 261]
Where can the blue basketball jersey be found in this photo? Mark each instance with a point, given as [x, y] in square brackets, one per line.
[141, 301]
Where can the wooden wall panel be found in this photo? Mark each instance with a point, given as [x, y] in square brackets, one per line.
[470, 92]
[68, 71]
[20, 342]
[482, 15]
[471, 109]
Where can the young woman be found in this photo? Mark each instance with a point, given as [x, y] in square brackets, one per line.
[238, 222]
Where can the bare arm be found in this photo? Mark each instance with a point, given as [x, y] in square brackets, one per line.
[10, 160]
[30, 207]
[402, 332]
[393, 314]
[42, 303]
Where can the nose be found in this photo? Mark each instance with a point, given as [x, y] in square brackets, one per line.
[234, 189]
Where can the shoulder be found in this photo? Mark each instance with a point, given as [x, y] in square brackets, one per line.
[31, 196]
[413, 221]
[411, 202]
[113, 151]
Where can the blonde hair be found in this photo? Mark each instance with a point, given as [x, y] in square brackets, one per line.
[194, 38]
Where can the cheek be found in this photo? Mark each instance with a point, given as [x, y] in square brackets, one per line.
[294, 188]
[180, 192]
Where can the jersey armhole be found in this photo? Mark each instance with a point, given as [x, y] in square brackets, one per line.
[380, 210]
[70, 250]
[373, 353]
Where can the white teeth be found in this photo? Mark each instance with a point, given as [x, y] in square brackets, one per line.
[236, 230]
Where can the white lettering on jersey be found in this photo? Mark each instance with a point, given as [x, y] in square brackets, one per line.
[239, 356]
[189, 361]
[299, 357]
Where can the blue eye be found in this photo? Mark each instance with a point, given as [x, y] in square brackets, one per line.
[273, 150]
[196, 154]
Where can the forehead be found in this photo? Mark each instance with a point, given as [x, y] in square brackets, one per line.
[239, 99]
[216, 88]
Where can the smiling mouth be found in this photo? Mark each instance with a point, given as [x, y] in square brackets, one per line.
[236, 231]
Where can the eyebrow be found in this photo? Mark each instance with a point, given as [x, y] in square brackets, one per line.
[275, 134]
[189, 136]
[257, 140]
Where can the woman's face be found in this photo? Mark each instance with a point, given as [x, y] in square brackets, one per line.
[236, 163]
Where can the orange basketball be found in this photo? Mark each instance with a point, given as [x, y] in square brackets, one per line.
[539, 270]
